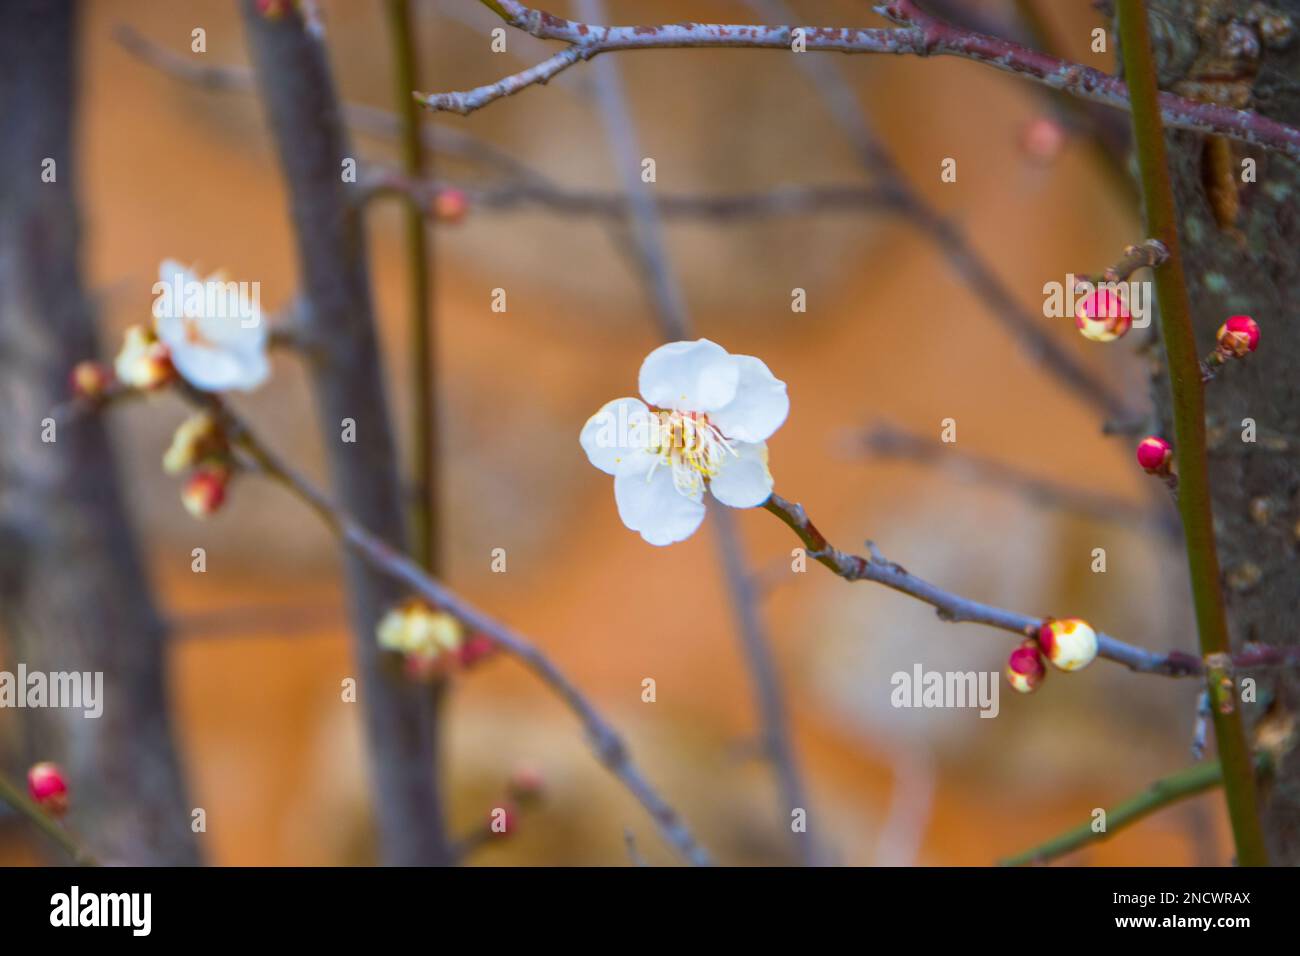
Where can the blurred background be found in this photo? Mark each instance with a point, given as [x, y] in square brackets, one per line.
[891, 334]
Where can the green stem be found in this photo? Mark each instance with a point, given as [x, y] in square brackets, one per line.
[1189, 420]
[1164, 792]
[425, 516]
[14, 796]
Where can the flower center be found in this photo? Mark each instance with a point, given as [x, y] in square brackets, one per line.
[194, 335]
[691, 445]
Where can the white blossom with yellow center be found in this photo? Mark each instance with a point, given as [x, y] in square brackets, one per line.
[703, 425]
[214, 349]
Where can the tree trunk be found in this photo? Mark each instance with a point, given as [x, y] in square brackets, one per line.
[1244, 261]
[73, 589]
[401, 719]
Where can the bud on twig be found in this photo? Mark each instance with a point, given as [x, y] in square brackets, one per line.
[47, 787]
[1070, 644]
[1025, 669]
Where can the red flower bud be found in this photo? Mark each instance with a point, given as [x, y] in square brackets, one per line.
[205, 491]
[475, 649]
[1025, 669]
[274, 9]
[526, 784]
[1238, 337]
[46, 785]
[1102, 315]
[1154, 455]
[1042, 139]
[91, 380]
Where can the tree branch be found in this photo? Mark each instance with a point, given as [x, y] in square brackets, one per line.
[606, 744]
[919, 34]
[13, 795]
[1179, 341]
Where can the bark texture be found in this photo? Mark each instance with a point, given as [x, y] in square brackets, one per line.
[73, 589]
[401, 719]
[1241, 257]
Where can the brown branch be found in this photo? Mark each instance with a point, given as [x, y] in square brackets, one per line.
[608, 747]
[1146, 254]
[919, 34]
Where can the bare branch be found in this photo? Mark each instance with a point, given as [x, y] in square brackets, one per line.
[919, 34]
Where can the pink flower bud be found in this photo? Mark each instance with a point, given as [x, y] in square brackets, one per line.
[1025, 670]
[450, 206]
[1042, 139]
[47, 787]
[1070, 644]
[475, 649]
[91, 380]
[1154, 455]
[274, 9]
[1238, 337]
[205, 491]
[1102, 315]
[526, 784]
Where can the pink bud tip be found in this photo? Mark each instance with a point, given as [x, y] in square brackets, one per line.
[273, 9]
[450, 206]
[475, 649]
[1102, 315]
[1025, 669]
[91, 380]
[1154, 454]
[205, 491]
[47, 787]
[1239, 336]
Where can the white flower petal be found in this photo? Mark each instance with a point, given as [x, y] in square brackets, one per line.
[650, 503]
[689, 376]
[743, 481]
[759, 407]
[620, 428]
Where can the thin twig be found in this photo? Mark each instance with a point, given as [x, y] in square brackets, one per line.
[1163, 793]
[1188, 405]
[919, 34]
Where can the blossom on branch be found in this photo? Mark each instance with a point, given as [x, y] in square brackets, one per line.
[212, 328]
[143, 362]
[47, 787]
[703, 425]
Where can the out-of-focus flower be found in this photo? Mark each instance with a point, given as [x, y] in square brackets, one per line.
[1025, 670]
[274, 9]
[143, 362]
[1070, 644]
[1238, 337]
[1042, 139]
[1102, 315]
[429, 640]
[1155, 454]
[199, 437]
[703, 424]
[204, 491]
[91, 380]
[450, 206]
[526, 784]
[212, 328]
[476, 648]
[47, 787]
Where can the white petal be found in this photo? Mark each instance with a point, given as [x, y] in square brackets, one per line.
[743, 481]
[689, 376]
[759, 407]
[611, 436]
[219, 370]
[650, 503]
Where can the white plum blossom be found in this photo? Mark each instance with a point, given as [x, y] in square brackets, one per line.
[703, 425]
[212, 328]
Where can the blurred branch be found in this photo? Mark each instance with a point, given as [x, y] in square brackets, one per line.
[1044, 347]
[13, 795]
[1162, 793]
[425, 498]
[790, 200]
[606, 744]
[886, 441]
[674, 324]
[919, 34]
[400, 720]
[361, 117]
[1188, 406]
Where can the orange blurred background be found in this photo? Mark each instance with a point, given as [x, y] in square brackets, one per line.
[274, 756]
